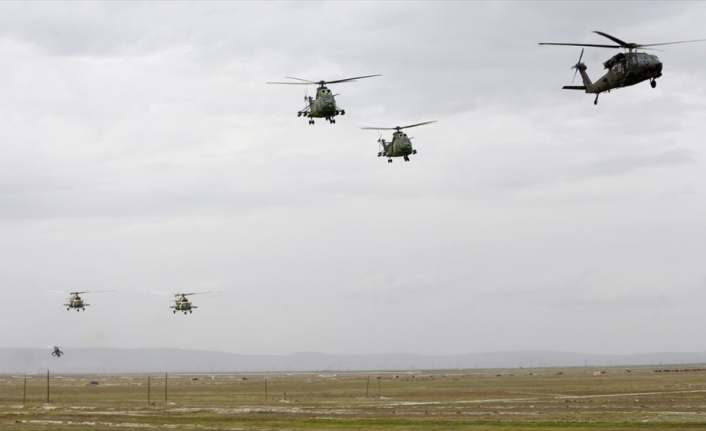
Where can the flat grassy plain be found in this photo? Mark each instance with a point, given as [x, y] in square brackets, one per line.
[518, 399]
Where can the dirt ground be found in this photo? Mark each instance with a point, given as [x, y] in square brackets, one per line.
[518, 399]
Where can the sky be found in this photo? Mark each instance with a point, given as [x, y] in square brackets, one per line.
[141, 151]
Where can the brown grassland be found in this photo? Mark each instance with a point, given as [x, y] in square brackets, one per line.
[519, 399]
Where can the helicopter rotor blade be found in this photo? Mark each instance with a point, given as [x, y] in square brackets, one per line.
[616, 40]
[304, 81]
[577, 66]
[58, 291]
[415, 125]
[589, 45]
[300, 79]
[674, 43]
[197, 293]
[338, 81]
[292, 83]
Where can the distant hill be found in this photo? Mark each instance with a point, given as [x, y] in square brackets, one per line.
[85, 360]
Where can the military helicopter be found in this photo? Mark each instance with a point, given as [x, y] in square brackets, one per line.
[400, 146]
[57, 352]
[324, 104]
[624, 69]
[181, 303]
[75, 300]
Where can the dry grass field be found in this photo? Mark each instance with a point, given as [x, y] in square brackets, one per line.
[519, 399]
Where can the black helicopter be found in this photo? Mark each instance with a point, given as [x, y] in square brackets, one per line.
[624, 69]
[324, 105]
[57, 352]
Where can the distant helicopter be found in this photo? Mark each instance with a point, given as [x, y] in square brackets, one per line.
[181, 303]
[624, 69]
[324, 104]
[400, 146]
[75, 300]
[57, 352]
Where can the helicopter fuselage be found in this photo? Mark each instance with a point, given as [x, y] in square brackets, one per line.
[76, 302]
[400, 146]
[624, 70]
[182, 304]
[323, 106]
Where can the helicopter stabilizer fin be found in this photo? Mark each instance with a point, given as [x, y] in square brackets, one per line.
[574, 87]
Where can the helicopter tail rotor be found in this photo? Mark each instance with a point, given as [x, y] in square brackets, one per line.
[381, 145]
[577, 66]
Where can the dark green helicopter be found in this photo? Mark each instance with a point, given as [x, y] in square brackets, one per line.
[401, 144]
[624, 69]
[324, 104]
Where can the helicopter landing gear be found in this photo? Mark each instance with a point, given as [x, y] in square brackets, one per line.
[414, 151]
[595, 102]
[174, 311]
[311, 121]
[343, 112]
[380, 154]
[406, 158]
[653, 83]
[389, 160]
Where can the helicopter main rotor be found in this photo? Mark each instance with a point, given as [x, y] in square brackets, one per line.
[195, 293]
[398, 128]
[321, 83]
[621, 44]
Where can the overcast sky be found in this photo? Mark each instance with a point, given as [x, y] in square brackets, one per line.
[142, 151]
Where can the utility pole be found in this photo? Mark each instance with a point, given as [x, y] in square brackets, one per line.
[148, 390]
[165, 387]
[24, 392]
[48, 387]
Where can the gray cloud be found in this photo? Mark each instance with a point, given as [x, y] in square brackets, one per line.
[141, 150]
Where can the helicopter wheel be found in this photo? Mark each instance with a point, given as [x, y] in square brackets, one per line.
[406, 159]
[174, 311]
[414, 151]
[389, 160]
[653, 83]
[190, 311]
[343, 112]
[311, 121]
[379, 154]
